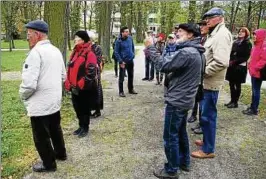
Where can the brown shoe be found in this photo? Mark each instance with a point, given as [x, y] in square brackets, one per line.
[199, 143]
[200, 154]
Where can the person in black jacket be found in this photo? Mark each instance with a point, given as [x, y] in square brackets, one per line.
[237, 70]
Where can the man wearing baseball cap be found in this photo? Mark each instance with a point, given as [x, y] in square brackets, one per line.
[43, 74]
[218, 48]
[182, 76]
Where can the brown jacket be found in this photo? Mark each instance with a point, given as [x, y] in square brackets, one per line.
[218, 48]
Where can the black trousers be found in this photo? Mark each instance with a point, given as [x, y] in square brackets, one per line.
[46, 129]
[82, 108]
[235, 90]
[159, 76]
[116, 67]
[129, 67]
[149, 68]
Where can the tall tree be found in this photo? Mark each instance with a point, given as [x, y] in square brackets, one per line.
[85, 15]
[249, 14]
[54, 15]
[75, 19]
[192, 12]
[206, 7]
[259, 14]
[234, 10]
[139, 24]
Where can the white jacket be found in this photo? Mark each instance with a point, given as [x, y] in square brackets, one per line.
[42, 78]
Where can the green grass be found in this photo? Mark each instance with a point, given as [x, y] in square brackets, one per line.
[246, 99]
[13, 61]
[19, 44]
[18, 151]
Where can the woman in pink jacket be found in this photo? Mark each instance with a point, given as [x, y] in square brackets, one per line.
[257, 62]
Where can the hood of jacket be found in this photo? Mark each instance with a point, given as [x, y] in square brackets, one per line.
[192, 43]
[260, 36]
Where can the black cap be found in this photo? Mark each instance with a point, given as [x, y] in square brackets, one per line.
[38, 25]
[83, 35]
[190, 27]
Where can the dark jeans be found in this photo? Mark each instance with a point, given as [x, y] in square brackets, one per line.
[130, 72]
[256, 86]
[46, 129]
[149, 68]
[116, 67]
[235, 90]
[82, 109]
[208, 120]
[159, 76]
[175, 137]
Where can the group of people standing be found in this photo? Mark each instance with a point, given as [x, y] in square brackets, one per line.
[193, 62]
[204, 55]
[41, 90]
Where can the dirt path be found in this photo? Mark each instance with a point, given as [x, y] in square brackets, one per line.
[126, 142]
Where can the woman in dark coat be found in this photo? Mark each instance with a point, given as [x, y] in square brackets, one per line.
[82, 81]
[237, 70]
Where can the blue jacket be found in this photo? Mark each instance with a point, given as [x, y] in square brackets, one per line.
[125, 50]
[169, 49]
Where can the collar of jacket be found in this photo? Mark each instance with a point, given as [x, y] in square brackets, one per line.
[42, 42]
[79, 47]
[216, 29]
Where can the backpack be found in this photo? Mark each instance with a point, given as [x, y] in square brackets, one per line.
[82, 75]
[263, 73]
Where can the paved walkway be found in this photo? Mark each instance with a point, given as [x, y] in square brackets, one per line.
[126, 142]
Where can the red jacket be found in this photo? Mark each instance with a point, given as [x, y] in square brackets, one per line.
[76, 76]
[258, 54]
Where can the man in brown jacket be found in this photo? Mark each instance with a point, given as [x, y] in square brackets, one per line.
[218, 47]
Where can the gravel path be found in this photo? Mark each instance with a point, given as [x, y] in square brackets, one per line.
[126, 142]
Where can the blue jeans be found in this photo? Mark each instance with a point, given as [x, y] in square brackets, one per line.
[208, 120]
[256, 85]
[176, 144]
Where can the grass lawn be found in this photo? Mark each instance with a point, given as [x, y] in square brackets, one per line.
[19, 44]
[245, 98]
[13, 61]
[18, 151]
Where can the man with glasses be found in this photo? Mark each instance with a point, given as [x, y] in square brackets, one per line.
[41, 91]
[218, 48]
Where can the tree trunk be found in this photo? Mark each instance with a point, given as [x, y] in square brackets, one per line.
[75, 17]
[235, 14]
[54, 15]
[249, 14]
[105, 30]
[163, 17]
[130, 18]
[85, 15]
[139, 26]
[192, 12]
[123, 11]
[91, 12]
[259, 15]
[232, 15]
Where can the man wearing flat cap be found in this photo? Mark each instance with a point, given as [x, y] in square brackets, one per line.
[218, 48]
[43, 74]
[183, 70]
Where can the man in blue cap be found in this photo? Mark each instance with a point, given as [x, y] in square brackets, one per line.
[41, 91]
[218, 48]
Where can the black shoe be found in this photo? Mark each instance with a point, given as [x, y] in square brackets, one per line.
[61, 158]
[116, 76]
[195, 127]
[157, 83]
[228, 103]
[83, 133]
[162, 174]
[192, 119]
[145, 79]
[198, 131]
[151, 79]
[76, 132]
[132, 92]
[39, 167]
[122, 94]
[232, 105]
[96, 114]
[185, 168]
[249, 112]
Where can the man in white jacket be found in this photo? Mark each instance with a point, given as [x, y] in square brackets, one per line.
[41, 91]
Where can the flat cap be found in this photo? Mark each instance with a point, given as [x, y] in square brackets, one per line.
[214, 12]
[38, 25]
